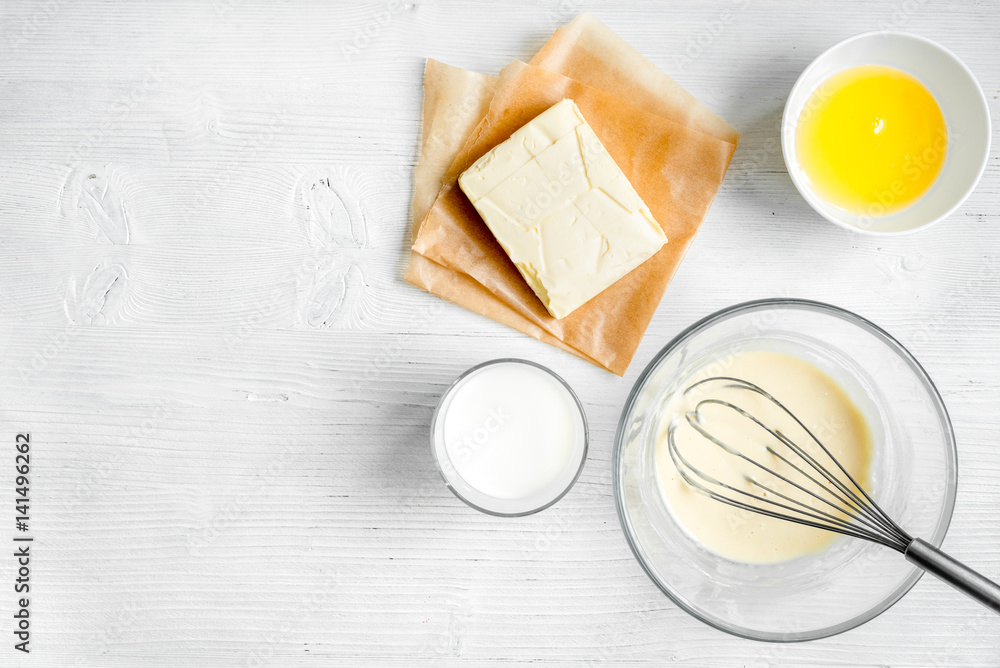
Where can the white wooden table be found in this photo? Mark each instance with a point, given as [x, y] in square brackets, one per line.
[228, 394]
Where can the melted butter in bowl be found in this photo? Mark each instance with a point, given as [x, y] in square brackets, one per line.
[811, 395]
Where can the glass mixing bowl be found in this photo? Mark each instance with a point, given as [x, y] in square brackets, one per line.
[913, 476]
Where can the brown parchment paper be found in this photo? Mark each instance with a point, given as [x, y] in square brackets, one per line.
[590, 52]
[675, 169]
[455, 101]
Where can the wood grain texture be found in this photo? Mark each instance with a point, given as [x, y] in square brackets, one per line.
[203, 208]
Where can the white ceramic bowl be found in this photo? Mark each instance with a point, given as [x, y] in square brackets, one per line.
[961, 100]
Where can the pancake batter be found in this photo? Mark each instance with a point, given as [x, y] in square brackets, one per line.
[815, 398]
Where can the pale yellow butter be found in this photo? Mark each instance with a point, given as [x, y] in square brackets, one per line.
[562, 209]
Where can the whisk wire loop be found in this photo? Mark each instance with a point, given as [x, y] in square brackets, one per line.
[869, 502]
[693, 418]
[818, 520]
[854, 514]
[864, 518]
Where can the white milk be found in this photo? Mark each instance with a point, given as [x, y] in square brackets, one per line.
[511, 431]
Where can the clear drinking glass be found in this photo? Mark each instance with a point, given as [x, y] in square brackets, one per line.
[505, 507]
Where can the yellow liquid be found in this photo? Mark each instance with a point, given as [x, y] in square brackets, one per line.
[871, 140]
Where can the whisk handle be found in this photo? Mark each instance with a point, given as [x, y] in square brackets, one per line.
[958, 575]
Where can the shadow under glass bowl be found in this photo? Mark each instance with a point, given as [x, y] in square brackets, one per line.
[914, 474]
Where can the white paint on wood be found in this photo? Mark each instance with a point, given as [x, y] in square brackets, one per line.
[203, 208]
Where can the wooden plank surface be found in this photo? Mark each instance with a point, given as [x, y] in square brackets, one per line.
[203, 324]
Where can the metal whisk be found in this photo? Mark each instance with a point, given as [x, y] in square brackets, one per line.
[843, 506]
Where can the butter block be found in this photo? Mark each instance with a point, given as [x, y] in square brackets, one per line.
[562, 209]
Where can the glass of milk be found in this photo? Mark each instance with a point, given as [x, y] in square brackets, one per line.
[509, 437]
